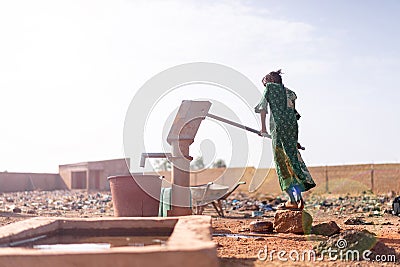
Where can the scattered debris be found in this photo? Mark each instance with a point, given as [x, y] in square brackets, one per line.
[357, 221]
[56, 203]
[375, 213]
[257, 213]
[396, 206]
[340, 205]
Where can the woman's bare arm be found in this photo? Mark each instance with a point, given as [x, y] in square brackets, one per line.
[263, 114]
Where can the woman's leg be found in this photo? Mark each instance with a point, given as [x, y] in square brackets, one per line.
[292, 197]
[289, 144]
[298, 197]
[292, 203]
[296, 192]
[282, 170]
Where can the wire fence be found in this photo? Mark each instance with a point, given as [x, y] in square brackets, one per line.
[377, 178]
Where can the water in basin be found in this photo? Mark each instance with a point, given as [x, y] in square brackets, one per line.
[70, 242]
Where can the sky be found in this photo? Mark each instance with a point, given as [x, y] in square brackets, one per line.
[69, 69]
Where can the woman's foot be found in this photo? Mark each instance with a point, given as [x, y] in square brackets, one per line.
[288, 205]
[301, 204]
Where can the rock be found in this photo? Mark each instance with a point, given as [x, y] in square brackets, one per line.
[383, 251]
[266, 207]
[349, 242]
[249, 207]
[375, 213]
[244, 229]
[326, 229]
[357, 221]
[17, 210]
[31, 212]
[326, 203]
[224, 231]
[261, 227]
[290, 221]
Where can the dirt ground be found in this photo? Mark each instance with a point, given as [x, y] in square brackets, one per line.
[239, 251]
[243, 250]
[236, 246]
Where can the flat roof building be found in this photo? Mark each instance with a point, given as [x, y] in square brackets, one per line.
[91, 175]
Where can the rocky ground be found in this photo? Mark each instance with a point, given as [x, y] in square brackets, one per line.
[236, 245]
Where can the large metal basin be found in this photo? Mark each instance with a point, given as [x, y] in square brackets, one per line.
[204, 194]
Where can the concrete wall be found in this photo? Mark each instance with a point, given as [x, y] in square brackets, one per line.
[11, 181]
[107, 168]
[96, 176]
[341, 179]
[96, 172]
[65, 172]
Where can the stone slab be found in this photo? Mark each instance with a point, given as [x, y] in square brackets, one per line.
[290, 221]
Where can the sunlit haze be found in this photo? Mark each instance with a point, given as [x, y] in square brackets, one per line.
[69, 69]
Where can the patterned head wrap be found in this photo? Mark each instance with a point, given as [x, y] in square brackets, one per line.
[273, 77]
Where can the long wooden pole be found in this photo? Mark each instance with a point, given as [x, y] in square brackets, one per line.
[218, 118]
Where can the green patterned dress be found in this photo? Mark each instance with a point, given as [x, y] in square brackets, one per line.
[290, 167]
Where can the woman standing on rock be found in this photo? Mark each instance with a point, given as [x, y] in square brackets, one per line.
[293, 174]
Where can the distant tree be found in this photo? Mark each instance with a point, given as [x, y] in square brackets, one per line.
[219, 163]
[197, 164]
[162, 165]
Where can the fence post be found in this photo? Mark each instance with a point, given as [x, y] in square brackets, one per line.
[372, 177]
[326, 179]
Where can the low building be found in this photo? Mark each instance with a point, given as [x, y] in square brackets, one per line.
[92, 175]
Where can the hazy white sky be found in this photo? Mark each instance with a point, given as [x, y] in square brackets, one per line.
[69, 69]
